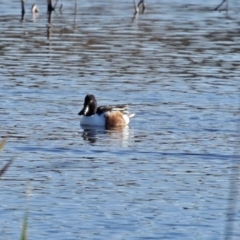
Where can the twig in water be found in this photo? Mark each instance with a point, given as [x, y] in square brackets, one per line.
[75, 13]
[50, 6]
[55, 5]
[49, 27]
[76, 5]
[61, 6]
[142, 4]
[136, 8]
[23, 9]
[4, 169]
[233, 198]
[221, 5]
[136, 11]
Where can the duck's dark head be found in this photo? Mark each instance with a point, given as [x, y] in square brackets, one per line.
[90, 106]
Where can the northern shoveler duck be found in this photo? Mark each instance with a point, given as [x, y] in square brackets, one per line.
[105, 116]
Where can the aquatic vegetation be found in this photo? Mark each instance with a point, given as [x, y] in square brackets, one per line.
[2, 171]
[24, 227]
[5, 167]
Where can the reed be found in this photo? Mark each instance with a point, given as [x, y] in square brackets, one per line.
[24, 227]
[2, 171]
[6, 166]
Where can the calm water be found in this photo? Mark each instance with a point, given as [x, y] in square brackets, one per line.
[168, 175]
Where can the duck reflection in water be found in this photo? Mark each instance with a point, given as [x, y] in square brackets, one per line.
[118, 134]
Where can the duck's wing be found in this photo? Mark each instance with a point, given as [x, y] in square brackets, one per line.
[120, 107]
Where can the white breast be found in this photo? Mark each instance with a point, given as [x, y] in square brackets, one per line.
[95, 120]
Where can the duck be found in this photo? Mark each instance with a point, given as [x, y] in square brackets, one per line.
[103, 116]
